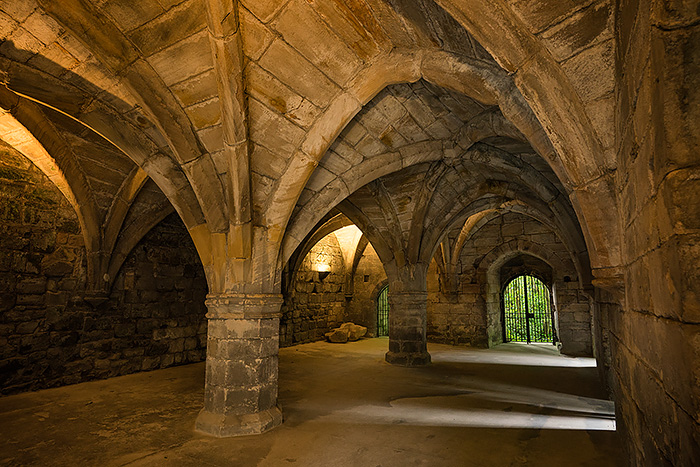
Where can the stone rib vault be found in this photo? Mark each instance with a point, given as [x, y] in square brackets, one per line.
[567, 129]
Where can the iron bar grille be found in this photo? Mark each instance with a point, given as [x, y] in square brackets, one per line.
[527, 311]
[383, 312]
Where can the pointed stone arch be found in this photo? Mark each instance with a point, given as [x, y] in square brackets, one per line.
[25, 128]
[488, 276]
[116, 52]
[488, 82]
[561, 112]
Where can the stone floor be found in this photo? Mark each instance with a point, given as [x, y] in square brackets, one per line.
[344, 406]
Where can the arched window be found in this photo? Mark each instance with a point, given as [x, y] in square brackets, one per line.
[527, 311]
[383, 312]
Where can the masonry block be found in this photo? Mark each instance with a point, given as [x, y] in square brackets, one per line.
[241, 372]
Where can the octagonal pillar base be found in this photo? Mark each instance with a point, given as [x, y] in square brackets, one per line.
[224, 426]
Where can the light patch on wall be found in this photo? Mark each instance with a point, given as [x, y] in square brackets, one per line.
[348, 238]
[319, 266]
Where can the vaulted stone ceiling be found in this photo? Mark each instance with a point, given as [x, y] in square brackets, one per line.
[254, 118]
[150, 86]
[420, 123]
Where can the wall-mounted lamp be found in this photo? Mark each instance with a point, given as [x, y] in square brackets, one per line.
[323, 270]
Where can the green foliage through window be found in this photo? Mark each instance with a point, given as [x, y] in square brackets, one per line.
[383, 312]
[527, 311]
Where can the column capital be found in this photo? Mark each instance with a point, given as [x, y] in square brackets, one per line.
[244, 306]
[612, 280]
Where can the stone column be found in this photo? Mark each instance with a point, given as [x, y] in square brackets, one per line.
[407, 329]
[240, 396]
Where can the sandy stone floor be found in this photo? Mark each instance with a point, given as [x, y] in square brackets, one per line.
[344, 406]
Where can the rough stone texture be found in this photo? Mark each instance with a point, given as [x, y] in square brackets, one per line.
[585, 113]
[457, 319]
[405, 216]
[347, 332]
[240, 397]
[326, 381]
[318, 301]
[407, 323]
[471, 313]
[337, 336]
[579, 37]
[314, 305]
[49, 336]
[355, 331]
[369, 279]
[654, 338]
[405, 123]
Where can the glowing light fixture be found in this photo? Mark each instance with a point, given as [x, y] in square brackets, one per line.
[323, 269]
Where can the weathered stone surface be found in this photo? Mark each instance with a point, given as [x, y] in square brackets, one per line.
[142, 324]
[355, 332]
[337, 336]
[226, 426]
[407, 329]
[342, 16]
[657, 92]
[579, 31]
[582, 115]
[266, 88]
[176, 24]
[241, 383]
[347, 332]
[130, 16]
[295, 71]
[315, 305]
[183, 59]
[466, 312]
[199, 88]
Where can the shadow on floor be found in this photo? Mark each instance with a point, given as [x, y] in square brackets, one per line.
[343, 405]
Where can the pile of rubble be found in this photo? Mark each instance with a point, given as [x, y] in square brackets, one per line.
[346, 332]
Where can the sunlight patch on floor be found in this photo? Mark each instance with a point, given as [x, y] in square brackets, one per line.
[420, 415]
[506, 357]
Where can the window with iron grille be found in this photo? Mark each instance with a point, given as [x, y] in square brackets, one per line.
[383, 312]
[527, 311]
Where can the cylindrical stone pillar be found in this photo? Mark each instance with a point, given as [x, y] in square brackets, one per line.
[407, 329]
[240, 396]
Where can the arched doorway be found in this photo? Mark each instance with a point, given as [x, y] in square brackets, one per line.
[383, 312]
[527, 311]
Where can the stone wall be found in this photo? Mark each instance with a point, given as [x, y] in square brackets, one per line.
[49, 336]
[369, 279]
[655, 337]
[471, 313]
[314, 304]
[455, 318]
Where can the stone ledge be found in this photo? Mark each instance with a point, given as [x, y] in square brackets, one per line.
[409, 359]
[226, 426]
